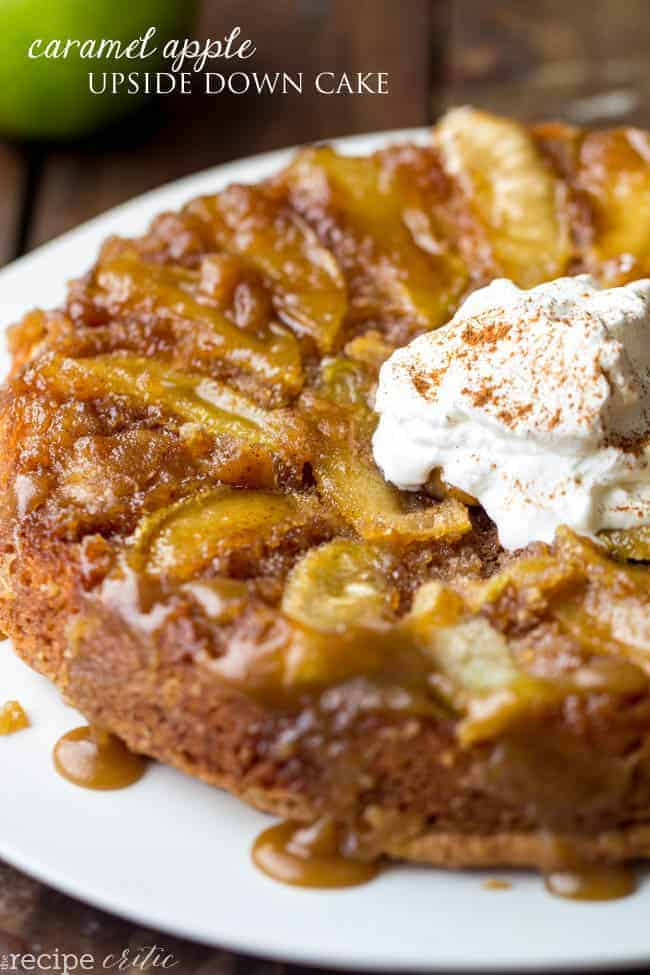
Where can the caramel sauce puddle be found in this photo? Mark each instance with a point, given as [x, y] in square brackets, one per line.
[591, 883]
[569, 876]
[309, 856]
[94, 759]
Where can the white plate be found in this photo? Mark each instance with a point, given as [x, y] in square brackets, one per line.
[174, 854]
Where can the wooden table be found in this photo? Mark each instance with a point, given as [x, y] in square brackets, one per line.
[583, 61]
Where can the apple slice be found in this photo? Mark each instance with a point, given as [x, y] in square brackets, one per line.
[194, 400]
[126, 286]
[308, 288]
[179, 541]
[378, 219]
[512, 193]
[614, 172]
[344, 583]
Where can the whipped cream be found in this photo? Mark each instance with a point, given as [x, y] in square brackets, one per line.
[535, 402]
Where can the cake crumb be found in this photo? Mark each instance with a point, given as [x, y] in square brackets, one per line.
[12, 718]
[495, 883]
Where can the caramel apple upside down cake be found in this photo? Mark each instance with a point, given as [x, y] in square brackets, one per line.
[334, 492]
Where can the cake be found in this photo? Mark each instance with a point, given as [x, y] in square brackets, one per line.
[199, 551]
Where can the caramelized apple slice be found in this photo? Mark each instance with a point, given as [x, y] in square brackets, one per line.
[603, 605]
[349, 480]
[370, 348]
[125, 285]
[487, 686]
[536, 580]
[338, 402]
[378, 222]
[355, 488]
[308, 287]
[614, 172]
[213, 406]
[617, 627]
[346, 383]
[633, 544]
[279, 661]
[473, 668]
[343, 583]
[610, 612]
[512, 191]
[179, 541]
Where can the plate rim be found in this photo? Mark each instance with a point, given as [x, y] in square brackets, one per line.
[271, 158]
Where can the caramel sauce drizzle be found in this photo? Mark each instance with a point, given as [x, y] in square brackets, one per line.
[314, 856]
[309, 856]
[592, 883]
[94, 759]
[570, 876]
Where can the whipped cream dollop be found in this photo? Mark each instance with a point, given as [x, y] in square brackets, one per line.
[536, 402]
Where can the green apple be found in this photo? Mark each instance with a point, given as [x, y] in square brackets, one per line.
[51, 98]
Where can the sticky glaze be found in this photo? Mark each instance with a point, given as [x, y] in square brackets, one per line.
[309, 856]
[94, 759]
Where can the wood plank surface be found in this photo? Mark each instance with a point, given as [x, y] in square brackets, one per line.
[14, 171]
[584, 62]
[37, 920]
